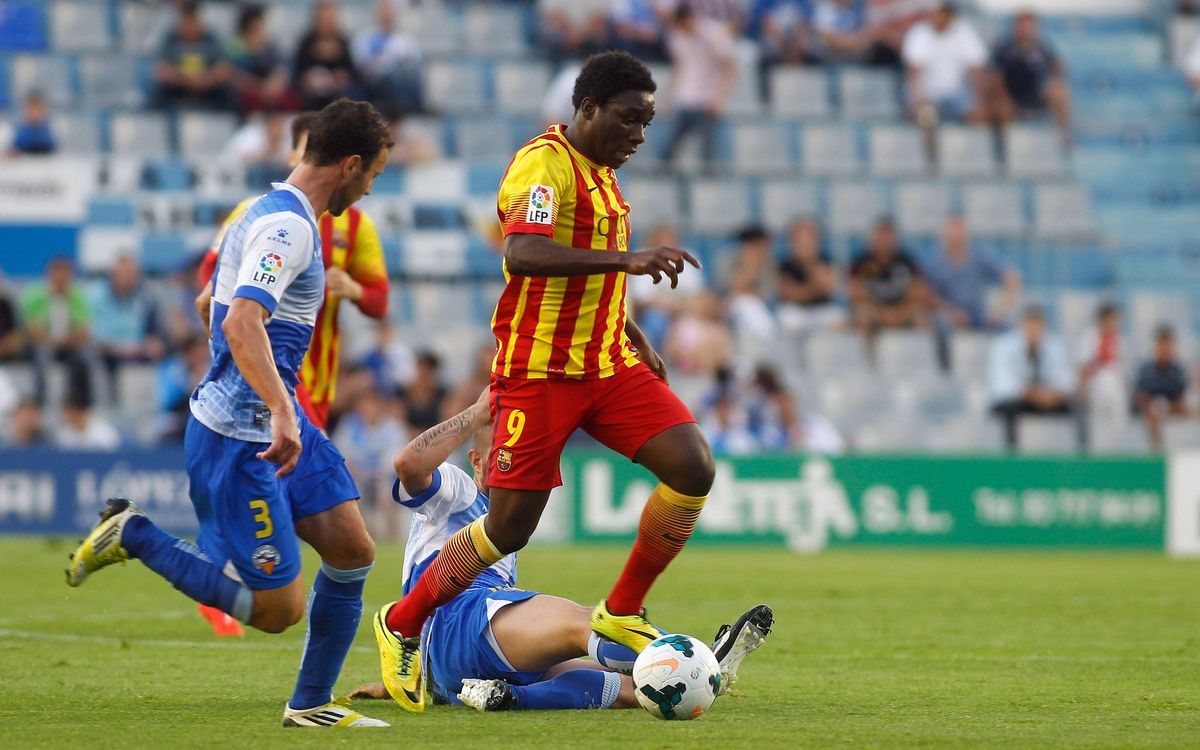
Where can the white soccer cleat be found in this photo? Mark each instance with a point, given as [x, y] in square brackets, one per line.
[733, 644]
[487, 695]
[332, 714]
[102, 546]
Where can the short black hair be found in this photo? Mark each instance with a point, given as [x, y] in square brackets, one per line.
[346, 128]
[301, 124]
[248, 15]
[1164, 332]
[608, 74]
[1107, 309]
[751, 233]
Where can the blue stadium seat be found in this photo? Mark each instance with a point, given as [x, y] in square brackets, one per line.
[1034, 151]
[854, 207]
[5, 96]
[23, 26]
[80, 25]
[53, 75]
[762, 148]
[799, 93]
[965, 151]
[868, 94]
[434, 254]
[110, 211]
[719, 206]
[994, 209]
[457, 87]
[654, 200]
[830, 151]
[496, 30]
[99, 247]
[146, 134]
[440, 181]
[520, 86]
[782, 202]
[438, 216]
[204, 134]
[922, 207]
[287, 22]
[170, 175]
[111, 82]
[78, 133]
[1062, 211]
[142, 26]
[898, 151]
[163, 252]
[486, 138]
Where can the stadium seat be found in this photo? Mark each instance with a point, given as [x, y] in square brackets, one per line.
[781, 202]
[1033, 151]
[487, 138]
[495, 30]
[1148, 310]
[966, 435]
[146, 134]
[835, 352]
[994, 209]
[655, 200]
[852, 398]
[436, 181]
[889, 434]
[287, 22]
[1047, 434]
[163, 252]
[868, 94]
[1125, 437]
[905, 354]
[440, 30]
[799, 93]
[1077, 312]
[137, 389]
[204, 134]
[898, 151]
[922, 207]
[80, 26]
[854, 207]
[142, 26]
[53, 75]
[965, 151]
[434, 254]
[762, 148]
[746, 97]
[77, 133]
[99, 247]
[23, 26]
[110, 211]
[520, 86]
[830, 151]
[969, 352]
[1062, 212]
[110, 82]
[719, 206]
[1181, 434]
[456, 87]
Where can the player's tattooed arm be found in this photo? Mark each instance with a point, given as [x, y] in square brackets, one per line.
[416, 462]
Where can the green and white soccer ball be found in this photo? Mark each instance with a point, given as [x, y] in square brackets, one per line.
[676, 677]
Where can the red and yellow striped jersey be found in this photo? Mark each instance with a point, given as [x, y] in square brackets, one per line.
[351, 242]
[562, 327]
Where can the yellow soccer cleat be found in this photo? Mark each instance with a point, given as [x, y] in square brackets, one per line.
[631, 631]
[333, 714]
[102, 547]
[400, 663]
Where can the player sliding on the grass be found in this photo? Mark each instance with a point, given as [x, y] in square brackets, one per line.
[495, 647]
[260, 473]
[569, 358]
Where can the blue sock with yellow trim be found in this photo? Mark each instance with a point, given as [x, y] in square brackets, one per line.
[187, 568]
[334, 609]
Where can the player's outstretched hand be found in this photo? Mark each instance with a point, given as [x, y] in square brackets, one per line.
[660, 262]
[370, 691]
[284, 449]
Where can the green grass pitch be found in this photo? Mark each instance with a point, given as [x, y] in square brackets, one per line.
[871, 649]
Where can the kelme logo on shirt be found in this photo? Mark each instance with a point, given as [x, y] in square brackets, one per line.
[541, 205]
[269, 265]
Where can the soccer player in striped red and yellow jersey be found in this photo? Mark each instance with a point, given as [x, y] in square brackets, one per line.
[355, 270]
[569, 357]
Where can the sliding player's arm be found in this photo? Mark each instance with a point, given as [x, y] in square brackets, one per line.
[416, 462]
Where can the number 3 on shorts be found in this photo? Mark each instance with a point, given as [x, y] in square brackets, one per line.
[516, 426]
[262, 515]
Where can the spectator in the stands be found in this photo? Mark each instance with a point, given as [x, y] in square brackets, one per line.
[368, 436]
[961, 278]
[752, 281]
[410, 145]
[1098, 355]
[191, 69]
[32, 133]
[26, 428]
[638, 27]
[699, 340]
[178, 376]
[782, 30]
[725, 420]
[11, 343]
[572, 28]
[777, 422]
[840, 34]
[887, 22]
[703, 71]
[656, 305]
[808, 282]
[323, 69]
[886, 286]
[263, 141]
[1029, 372]
[125, 321]
[180, 319]
[57, 323]
[1161, 386]
[260, 75]
[423, 397]
[946, 59]
[1029, 76]
[390, 62]
[390, 360]
[79, 427]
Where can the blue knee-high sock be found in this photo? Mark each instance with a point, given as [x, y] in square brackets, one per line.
[579, 688]
[334, 608]
[612, 655]
[187, 568]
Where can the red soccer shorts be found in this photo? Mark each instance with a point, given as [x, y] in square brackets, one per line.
[532, 420]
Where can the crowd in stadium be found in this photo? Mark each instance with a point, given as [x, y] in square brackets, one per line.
[92, 328]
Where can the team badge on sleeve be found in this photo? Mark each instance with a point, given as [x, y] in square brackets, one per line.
[269, 266]
[265, 558]
[541, 205]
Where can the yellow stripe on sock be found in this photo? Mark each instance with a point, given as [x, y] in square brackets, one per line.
[678, 498]
[487, 551]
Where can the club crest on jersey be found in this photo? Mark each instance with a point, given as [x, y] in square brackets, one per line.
[541, 205]
[265, 558]
[504, 459]
[269, 265]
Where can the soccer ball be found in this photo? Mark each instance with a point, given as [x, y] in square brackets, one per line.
[676, 677]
